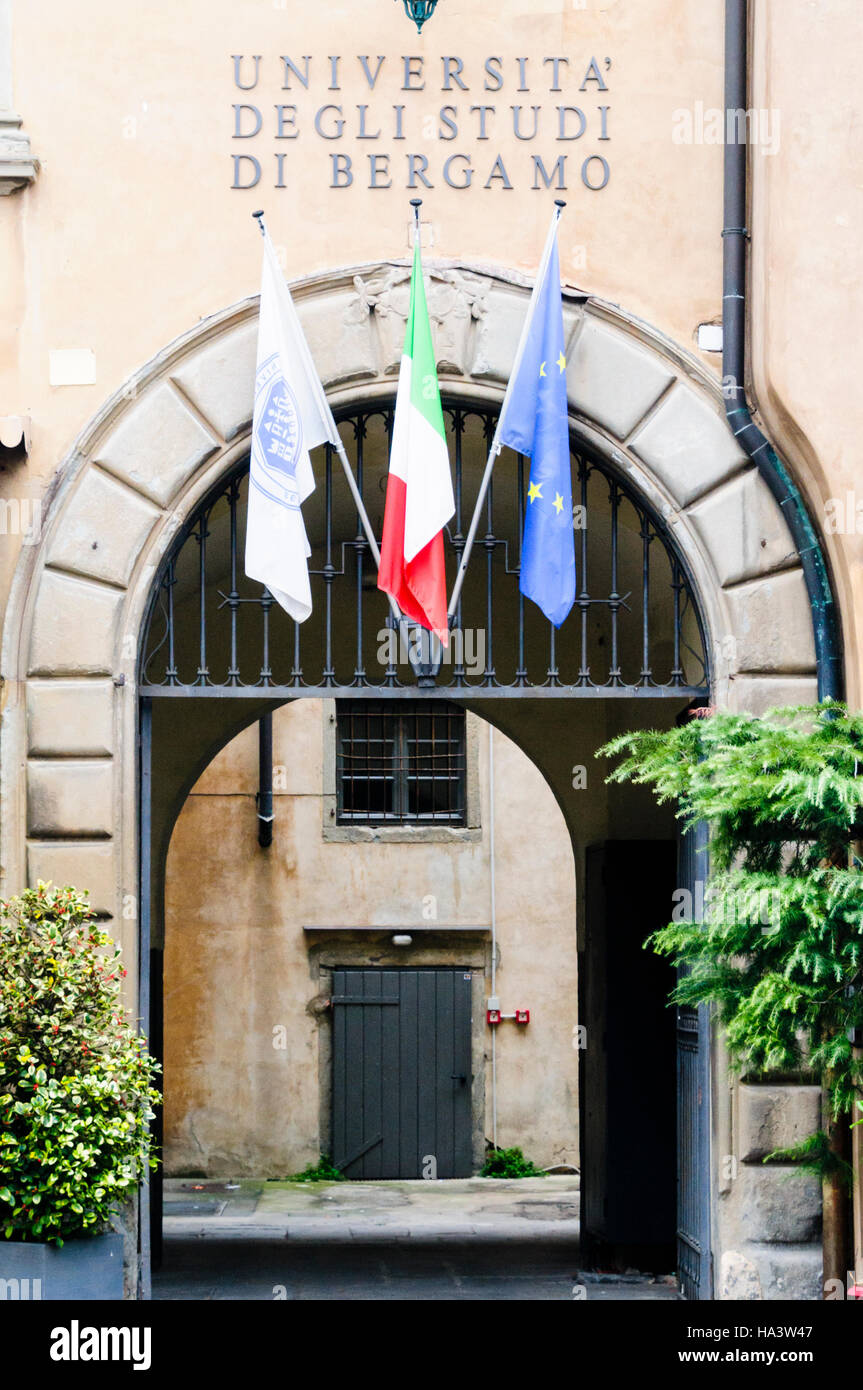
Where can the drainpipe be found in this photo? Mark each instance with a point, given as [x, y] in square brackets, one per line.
[828, 654]
[264, 797]
[493, 890]
[836, 1226]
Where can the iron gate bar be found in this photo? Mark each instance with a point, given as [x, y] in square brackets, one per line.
[282, 694]
[168, 669]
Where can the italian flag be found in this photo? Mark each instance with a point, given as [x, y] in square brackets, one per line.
[419, 487]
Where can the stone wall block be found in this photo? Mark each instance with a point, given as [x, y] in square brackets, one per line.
[757, 694]
[775, 1117]
[738, 1279]
[779, 1204]
[791, 1273]
[70, 800]
[70, 717]
[89, 867]
[763, 1272]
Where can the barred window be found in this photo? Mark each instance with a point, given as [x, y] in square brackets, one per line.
[400, 762]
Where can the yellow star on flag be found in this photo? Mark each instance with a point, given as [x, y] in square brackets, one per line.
[558, 503]
[534, 491]
[542, 370]
[561, 361]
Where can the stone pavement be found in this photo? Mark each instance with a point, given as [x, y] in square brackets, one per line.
[472, 1238]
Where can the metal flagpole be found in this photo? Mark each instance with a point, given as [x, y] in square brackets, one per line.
[496, 446]
[336, 442]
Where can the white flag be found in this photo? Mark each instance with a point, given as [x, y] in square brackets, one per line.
[291, 416]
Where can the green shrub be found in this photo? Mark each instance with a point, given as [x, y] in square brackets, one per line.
[509, 1163]
[76, 1092]
[322, 1171]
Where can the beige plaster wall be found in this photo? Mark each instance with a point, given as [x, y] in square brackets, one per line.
[807, 263]
[132, 233]
[237, 964]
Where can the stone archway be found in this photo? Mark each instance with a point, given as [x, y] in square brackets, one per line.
[141, 466]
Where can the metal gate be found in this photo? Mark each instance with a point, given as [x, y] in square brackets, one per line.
[402, 1073]
[636, 630]
[694, 1263]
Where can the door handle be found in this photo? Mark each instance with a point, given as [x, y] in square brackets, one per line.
[458, 1076]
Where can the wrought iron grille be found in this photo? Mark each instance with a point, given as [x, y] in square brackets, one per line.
[635, 628]
[400, 762]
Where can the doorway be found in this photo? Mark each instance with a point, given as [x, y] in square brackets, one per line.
[402, 1073]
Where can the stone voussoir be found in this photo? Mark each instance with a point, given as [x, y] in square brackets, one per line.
[755, 537]
[104, 527]
[688, 445]
[600, 358]
[219, 379]
[341, 340]
[773, 624]
[157, 445]
[74, 631]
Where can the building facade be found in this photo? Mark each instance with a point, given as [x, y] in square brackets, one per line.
[133, 150]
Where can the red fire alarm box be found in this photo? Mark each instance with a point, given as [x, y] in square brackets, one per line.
[492, 1016]
[522, 1015]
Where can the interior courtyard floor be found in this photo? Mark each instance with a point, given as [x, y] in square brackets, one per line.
[472, 1238]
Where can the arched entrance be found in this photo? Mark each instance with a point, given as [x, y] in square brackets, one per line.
[217, 650]
[641, 409]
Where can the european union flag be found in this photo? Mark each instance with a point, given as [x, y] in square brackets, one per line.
[535, 422]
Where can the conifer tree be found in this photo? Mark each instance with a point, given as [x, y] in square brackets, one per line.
[778, 951]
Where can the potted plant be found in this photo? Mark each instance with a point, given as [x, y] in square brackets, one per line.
[76, 1098]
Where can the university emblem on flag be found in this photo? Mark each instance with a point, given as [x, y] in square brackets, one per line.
[278, 435]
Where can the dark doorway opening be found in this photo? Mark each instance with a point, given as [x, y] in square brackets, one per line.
[627, 1075]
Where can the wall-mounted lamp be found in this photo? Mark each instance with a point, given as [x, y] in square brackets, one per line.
[419, 11]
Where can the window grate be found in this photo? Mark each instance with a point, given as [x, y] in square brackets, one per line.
[403, 765]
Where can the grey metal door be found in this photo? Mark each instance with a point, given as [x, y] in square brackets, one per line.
[402, 1073]
[694, 1262]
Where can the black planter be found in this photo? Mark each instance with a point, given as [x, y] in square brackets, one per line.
[84, 1270]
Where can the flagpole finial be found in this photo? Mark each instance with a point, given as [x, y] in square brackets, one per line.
[560, 203]
[416, 204]
[259, 217]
